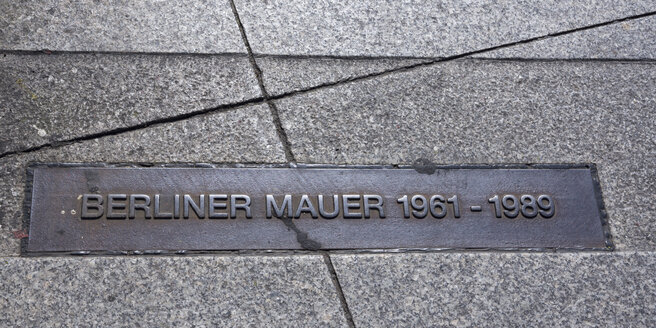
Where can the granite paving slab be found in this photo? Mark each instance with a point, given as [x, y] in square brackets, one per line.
[225, 291]
[283, 75]
[500, 289]
[482, 111]
[241, 135]
[49, 98]
[635, 39]
[415, 28]
[205, 26]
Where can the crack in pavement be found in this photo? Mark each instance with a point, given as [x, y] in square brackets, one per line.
[467, 54]
[269, 99]
[136, 127]
[338, 287]
[280, 130]
[120, 53]
[313, 245]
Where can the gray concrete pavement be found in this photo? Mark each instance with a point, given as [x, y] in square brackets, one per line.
[492, 290]
[476, 111]
[240, 135]
[350, 83]
[50, 98]
[284, 75]
[414, 28]
[227, 291]
[635, 39]
[206, 26]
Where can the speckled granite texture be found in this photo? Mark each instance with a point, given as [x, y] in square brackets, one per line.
[49, 98]
[241, 135]
[206, 26]
[634, 39]
[476, 111]
[500, 290]
[283, 75]
[350, 83]
[413, 27]
[228, 291]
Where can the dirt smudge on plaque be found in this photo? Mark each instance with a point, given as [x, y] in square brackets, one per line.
[424, 166]
[301, 237]
[92, 180]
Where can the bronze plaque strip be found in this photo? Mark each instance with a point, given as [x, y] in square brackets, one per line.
[169, 209]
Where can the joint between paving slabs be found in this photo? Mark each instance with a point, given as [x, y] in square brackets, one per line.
[269, 99]
[136, 127]
[338, 288]
[434, 61]
[280, 131]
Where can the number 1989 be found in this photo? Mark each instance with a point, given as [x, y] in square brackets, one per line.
[528, 206]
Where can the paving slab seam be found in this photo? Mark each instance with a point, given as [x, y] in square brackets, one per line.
[647, 61]
[466, 57]
[121, 53]
[304, 57]
[523, 59]
[409, 68]
[136, 127]
[284, 253]
[269, 99]
[289, 155]
[338, 57]
[463, 55]
[338, 288]
[282, 135]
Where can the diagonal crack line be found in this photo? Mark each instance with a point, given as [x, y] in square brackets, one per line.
[459, 56]
[269, 99]
[282, 135]
[338, 287]
[136, 127]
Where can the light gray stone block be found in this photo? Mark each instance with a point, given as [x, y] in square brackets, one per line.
[241, 135]
[288, 74]
[49, 98]
[500, 289]
[414, 28]
[225, 291]
[480, 111]
[635, 39]
[206, 26]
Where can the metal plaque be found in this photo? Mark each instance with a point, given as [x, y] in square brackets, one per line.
[168, 209]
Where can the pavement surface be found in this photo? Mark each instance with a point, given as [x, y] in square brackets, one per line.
[356, 82]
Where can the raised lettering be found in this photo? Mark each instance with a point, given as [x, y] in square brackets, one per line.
[378, 206]
[198, 209]
[158, 214]
[112, 205]
[145, 206]
[214, 206]
[322, 210]
[176, 206]
[346, 205]
[97, 207]
[271, 204]
[234, 206]
[305, 206]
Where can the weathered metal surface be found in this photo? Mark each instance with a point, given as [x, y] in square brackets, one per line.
[557, 207]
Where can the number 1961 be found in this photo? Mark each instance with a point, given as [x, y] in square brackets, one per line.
[437, 206]
[508, 206]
